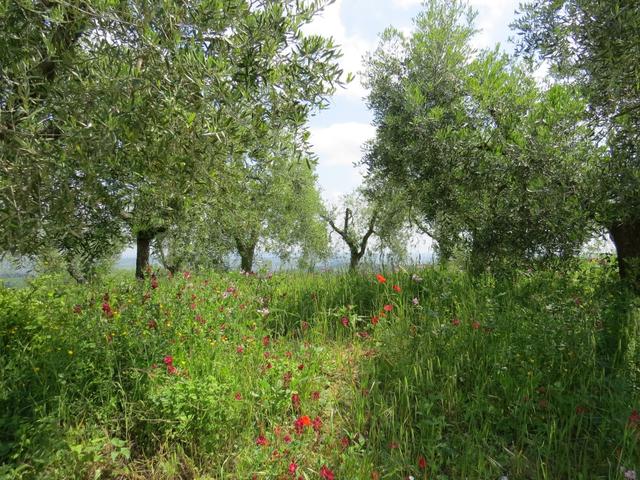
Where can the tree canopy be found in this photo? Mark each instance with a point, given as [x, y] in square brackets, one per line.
[115, 115]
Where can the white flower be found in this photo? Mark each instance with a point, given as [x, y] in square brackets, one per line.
[630, 475]
[416, 301]
[263, 311]
[416, 278]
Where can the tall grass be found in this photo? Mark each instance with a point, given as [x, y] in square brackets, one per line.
[445, 376]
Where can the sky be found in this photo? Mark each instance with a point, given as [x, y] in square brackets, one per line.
[338, 133]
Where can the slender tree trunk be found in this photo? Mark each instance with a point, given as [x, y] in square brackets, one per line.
[143, 248]
[355, 260]
[626, 238]
[246, 258]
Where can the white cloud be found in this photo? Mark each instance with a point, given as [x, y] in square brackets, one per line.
[329, 23]
[406, 3]
[494, 17]
[340, 144]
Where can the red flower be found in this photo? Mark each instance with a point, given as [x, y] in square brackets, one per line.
[240, 349]
[238, 396]
[106, 309]
[315, 395]
[422, 463]
[326, 473]
[287, 438]
[455, 322]
[295, 400]
[375, 320]
[288, 354]
[171, 370]
[168, 360]
[286, 379]
[186, 275]
[317, 424]
[345, 321]
[293, 466]
[301, 366]
[301, 422]
[261, 441]
[344, 441]
[634, 419]
[397, 288]
[380, 278]
[475, 325]
[266, 340]
[387, 308]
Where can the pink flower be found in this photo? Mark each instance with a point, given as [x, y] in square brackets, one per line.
[262, 441]
[375, 320]
[345, 321]
[293, 466]
[387, 308]
[416, 301]
[238, 396]
[344, 441]
[287, 438]
[168, 360]
[240, 349]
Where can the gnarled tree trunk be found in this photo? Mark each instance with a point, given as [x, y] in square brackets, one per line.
[626, 238]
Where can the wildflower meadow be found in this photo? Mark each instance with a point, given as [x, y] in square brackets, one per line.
[420, 373]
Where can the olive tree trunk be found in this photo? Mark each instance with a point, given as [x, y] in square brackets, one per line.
[626, 238]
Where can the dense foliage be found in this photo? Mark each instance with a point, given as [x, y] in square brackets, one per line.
[117, 116]
[421, 373]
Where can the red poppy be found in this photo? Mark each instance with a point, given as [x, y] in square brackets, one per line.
[344, 441]
[422, 463]
[387, 308]
[287, 438]
[239, 349]
[238, 396]
[300, 423]
[374, 320]
[168, 360]
[397, 288]
[326, 473]
[262, 441]
[380, 278]
[293, 466]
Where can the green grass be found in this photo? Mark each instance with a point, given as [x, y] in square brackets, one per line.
[531, 378]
